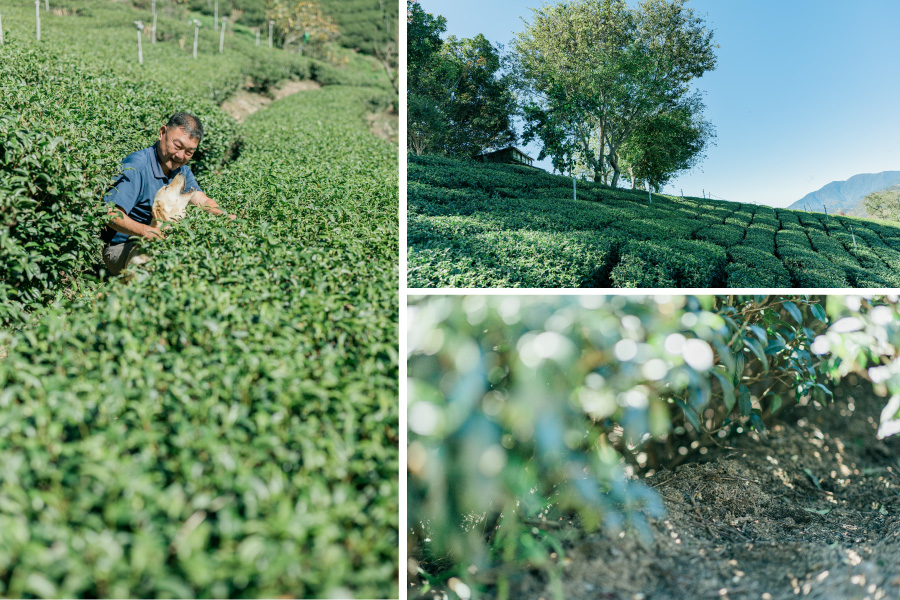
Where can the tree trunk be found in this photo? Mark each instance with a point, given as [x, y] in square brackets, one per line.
[614, 163]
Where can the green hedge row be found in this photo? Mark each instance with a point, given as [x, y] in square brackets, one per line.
[64, 129]
[801, 249]
[225, 424]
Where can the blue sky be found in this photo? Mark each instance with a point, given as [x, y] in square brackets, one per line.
[805, 92]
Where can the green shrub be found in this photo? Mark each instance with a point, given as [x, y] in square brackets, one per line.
[224, 423]
[721, 235]
[689, 264]
[751, 267]
[532, 410]
[513, 198]
[463, 252]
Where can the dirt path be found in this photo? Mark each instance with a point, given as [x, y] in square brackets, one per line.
[384, 123]
[244, 103]
[810, 511]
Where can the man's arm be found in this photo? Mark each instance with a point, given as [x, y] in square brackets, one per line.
[208, 204]
[125, 224]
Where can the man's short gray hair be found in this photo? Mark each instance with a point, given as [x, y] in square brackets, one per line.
[188, 122]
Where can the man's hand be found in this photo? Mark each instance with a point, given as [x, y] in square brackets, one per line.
[125, 224]
[153, 233]
[209, 205]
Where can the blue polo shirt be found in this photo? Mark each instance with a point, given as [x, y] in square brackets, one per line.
[142, 176]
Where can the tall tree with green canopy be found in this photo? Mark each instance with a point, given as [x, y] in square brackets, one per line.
[662, 146]
[457, 102]
[603, 70]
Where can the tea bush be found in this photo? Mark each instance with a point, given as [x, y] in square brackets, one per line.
[809, 249]
[62, 141]
[523, 410]
[223, 422]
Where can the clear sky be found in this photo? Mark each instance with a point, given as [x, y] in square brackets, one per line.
[805, 92]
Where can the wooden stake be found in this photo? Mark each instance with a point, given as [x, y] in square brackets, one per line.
[196, 35]
[140, 27]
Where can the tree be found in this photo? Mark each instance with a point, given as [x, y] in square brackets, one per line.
[423, 32]
[458, 103]
[884, 204]
[604, 70]
[670, 142]
[479, 102]
[301, 22]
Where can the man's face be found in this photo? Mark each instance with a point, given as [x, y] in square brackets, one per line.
[176, 147]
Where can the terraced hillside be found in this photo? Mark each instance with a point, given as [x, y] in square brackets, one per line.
[224, 422]
[490, 225]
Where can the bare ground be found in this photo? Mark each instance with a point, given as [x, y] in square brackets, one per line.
[385, 124]
[244, 103]
[810, 510]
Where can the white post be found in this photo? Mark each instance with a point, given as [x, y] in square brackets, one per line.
[37, 12]
[216, 17]
[47, 5]
[270, 32]
[140, 26]
[222, 35]
[649, 194]
[854, 238]
[153, 39]
[574, 191]
[196, 34]
[257, 36]
[1, 29]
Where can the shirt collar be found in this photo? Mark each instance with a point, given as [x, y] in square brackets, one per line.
[156, 167]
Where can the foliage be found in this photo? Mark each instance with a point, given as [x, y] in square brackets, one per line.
[532, 407]
[458, 104]
[57, 158]
[884, 204]
[301, 22]
[667, 143]
[365, 24]
[223, 421]
[494, 225]
[601, 76]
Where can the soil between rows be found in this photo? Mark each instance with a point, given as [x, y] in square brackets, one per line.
[811, 510]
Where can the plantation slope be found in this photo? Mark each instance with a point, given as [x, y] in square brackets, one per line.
[75, 103]
[490, 225]
[103, 34]
[225, 424]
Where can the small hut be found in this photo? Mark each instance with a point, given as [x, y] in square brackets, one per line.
[511, 155]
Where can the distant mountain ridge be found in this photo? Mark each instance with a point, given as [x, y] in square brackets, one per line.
[846, 195]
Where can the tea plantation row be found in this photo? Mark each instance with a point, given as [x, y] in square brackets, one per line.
[224, 423]
[73, 105]
[491, 225]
